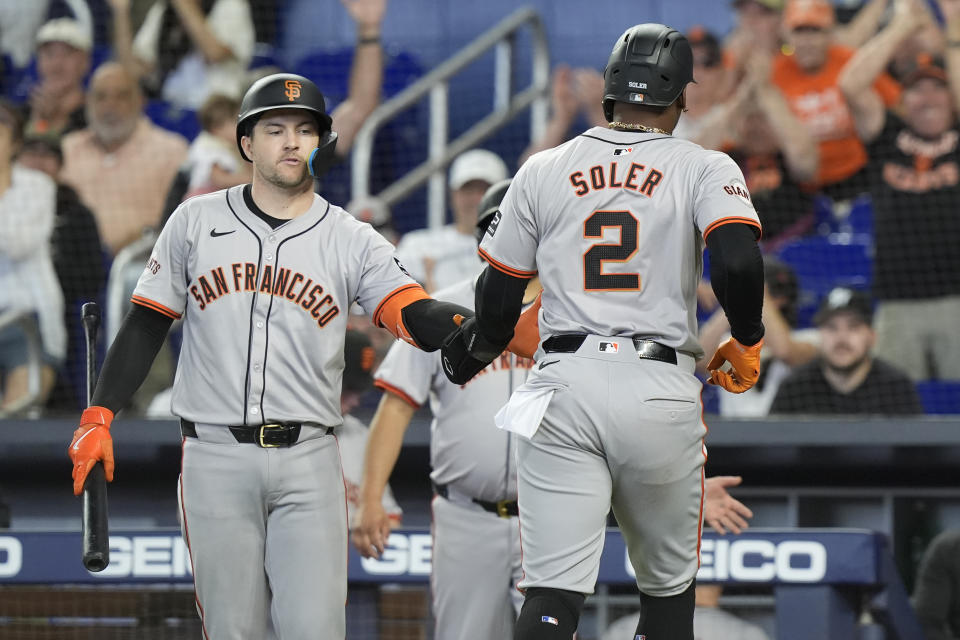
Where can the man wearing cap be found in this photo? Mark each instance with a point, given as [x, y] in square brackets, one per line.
[914, 174]
[846, 378]
[63, 60]
[808, 76]
[439, 258]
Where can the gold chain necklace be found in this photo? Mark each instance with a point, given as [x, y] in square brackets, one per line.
[637, 127]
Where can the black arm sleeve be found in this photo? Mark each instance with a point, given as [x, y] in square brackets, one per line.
[429, 321]
[498, 301]
[130, 356]
[736, 273]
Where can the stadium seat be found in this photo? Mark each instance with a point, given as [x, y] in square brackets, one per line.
[173, 118]
[940, 397]
[854, 216]
[822, 263]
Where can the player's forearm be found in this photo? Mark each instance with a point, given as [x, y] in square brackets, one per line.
[736, 273]
[130, 356]
[384, 443]
[498, 301]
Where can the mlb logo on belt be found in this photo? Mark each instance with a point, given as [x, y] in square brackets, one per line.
[549, 619]
[608, 347]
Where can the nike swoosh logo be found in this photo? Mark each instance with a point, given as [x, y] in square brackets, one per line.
[216, 234]
[547, 364]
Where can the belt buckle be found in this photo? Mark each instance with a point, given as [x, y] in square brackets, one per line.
[260, 431]
[502, 508]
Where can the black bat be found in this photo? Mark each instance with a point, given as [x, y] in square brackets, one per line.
[96, 536]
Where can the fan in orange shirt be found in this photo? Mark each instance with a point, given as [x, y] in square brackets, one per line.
[807, 73]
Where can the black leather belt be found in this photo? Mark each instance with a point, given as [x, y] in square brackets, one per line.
[646, 349]
[276, 434]
[503, 508]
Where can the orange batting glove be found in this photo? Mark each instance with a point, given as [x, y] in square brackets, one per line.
[744, 366]
[91, 444]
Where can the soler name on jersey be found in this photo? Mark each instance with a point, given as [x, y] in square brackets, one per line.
[634, 177]
[288, 284]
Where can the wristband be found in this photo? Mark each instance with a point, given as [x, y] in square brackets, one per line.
[368, 40]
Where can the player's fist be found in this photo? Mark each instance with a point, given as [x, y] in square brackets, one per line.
[373, 529]
[465, 352]
[91, 444]
[744, 366]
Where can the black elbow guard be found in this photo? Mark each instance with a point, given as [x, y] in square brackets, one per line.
[430, 321]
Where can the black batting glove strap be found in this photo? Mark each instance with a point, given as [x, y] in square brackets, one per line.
[430, 322]
[465, 353]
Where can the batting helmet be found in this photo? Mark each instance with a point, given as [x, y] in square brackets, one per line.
[288, 91]
[650, 65]
[489, 205]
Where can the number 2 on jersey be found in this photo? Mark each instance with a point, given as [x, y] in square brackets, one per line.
[594, 279]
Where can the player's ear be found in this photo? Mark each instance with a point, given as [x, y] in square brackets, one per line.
[246, 142]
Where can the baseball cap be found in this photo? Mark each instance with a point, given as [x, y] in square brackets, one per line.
[844, 300]
[67, 31]
[808, 13]
[42, 144]
[358, 359]
[477, 164]
[924, 66]
[712, 54]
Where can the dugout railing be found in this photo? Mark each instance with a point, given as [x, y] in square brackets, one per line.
[507, 103]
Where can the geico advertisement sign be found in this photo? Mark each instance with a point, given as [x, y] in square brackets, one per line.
[404, 555]
[130, 557]
[760, 561]
[11, 557]
[147, 557]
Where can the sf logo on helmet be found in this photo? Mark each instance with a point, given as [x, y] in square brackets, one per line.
[292, 89]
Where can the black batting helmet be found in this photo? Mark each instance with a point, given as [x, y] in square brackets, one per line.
[288, 91]
[650, 65]
[489, 205]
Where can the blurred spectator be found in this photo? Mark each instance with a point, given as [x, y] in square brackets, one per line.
[784, 346]
[915, 182]
[121, 164]
[376, 213]
[27, 278]
[757, 31]
[710, 87]
[213, 160]
[936, 595]
[359, 360]
[846, 378]
[772, 147]
[77, 258]
[809, 79]
[63, 61]
[710, 622]
[573, 93]
[439, 258]
[19, 22]
[186, 50]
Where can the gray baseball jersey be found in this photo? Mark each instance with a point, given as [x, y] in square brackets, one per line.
[476, 554]
[265, 309]
[614, 224]
[265, 312]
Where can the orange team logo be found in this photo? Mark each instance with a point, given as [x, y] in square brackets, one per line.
[292, 89]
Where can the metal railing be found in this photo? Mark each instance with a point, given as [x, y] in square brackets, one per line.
[124, 272]
[28, 322]
[506, 105]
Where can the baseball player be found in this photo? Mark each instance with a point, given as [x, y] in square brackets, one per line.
[476, 541]
[614, 221]
[263, 276]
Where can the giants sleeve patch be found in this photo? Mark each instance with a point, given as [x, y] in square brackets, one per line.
[738, 190]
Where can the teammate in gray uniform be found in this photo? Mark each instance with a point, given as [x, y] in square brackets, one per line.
[263, 276]
[615, 221]
[476, 541]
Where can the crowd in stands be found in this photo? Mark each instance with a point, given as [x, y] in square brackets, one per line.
[844, 124]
